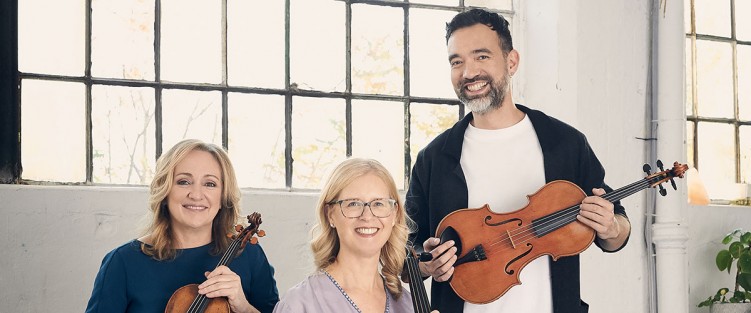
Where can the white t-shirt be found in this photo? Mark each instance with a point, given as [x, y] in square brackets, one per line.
[502, 167]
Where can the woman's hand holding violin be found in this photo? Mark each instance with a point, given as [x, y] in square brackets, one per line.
[223, 282]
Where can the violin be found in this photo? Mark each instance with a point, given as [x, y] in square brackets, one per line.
[416, 287]
[187, 300]
[493, 248]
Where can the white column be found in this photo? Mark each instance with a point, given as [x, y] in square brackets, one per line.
[670, 231]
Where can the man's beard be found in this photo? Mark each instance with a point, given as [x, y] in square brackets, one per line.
[491, 101]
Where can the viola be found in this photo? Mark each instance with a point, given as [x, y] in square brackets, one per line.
[493, 248]
[416, 287]
[186, 299]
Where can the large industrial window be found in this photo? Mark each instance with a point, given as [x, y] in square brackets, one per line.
[289, 87]
[718, 98]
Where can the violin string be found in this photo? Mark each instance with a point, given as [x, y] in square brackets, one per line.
[557, 219]
[199, 301]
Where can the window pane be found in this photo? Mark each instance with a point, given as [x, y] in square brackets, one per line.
[250, 24]
[318, 142]
[51, 37]
[438, 2]
[714, 61]
[742, 21]
[377, 52]
[378, 133]
[191, 41]
[428, 121]
[191, 114]
[689, 79]
[712, 17]
[256, 139]
[123, 135]
[744, 82]
[690, 143]
[53, 142]
[716, 156]
[430, 73]
[745, 137]
[493, 4]
[316, 64]
[122, 40]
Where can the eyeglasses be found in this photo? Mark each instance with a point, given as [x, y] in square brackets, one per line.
[353, 208]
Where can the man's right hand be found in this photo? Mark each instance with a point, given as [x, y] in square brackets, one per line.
[442, 266]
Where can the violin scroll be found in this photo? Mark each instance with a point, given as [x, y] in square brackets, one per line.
[251, 232]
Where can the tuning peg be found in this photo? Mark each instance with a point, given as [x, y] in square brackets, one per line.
[646, 168]
[659, 165]
[663, 192]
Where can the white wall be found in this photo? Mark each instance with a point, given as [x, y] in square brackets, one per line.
[584, 62]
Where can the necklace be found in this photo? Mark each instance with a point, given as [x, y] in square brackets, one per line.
[346, 296]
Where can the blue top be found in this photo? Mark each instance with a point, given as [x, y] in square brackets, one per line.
[131, 281]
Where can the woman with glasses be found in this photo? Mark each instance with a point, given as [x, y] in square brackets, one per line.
[359, 245]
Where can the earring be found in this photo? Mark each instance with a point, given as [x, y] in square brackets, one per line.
[332, 225]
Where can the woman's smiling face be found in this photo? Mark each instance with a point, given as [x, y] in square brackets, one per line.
[196, 194]
[367, 234]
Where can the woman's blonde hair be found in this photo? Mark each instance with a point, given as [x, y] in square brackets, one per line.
[325, 245]
[162, 244]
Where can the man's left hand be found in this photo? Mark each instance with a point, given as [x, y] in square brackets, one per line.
[597, 213]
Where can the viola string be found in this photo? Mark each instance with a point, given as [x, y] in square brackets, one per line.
[557, 219]
[562, 217]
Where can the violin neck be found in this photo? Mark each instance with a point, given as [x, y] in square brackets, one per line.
[200, 301]
[231, 252]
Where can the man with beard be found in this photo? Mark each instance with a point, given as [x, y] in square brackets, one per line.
[496, 155]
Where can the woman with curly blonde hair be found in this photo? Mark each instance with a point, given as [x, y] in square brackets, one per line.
[359, 245]
[194, 202]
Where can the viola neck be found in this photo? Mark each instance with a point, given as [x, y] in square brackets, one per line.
[549, 223]
[626, 191]
[416, 287]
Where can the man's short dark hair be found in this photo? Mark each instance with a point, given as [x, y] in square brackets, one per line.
[495, 21]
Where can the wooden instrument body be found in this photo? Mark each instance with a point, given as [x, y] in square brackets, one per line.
[186, 299]
[182, 298]
[510, 242]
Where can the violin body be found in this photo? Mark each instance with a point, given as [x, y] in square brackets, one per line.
[509, 241]
[186, 299]
[182, 299]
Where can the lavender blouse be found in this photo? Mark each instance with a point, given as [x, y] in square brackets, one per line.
[320, 293]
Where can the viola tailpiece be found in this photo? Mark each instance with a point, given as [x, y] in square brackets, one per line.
[492, 248]
[186, 298]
